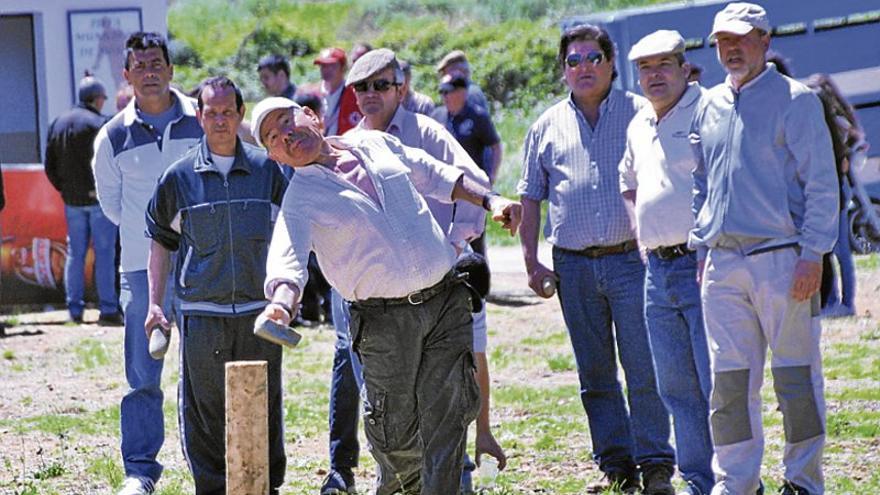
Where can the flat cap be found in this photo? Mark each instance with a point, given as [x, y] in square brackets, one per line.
[90, 88]
[739, 18]
[452, 57]
[263, 109]
[331, 56]
[659, 42]
[370, 63]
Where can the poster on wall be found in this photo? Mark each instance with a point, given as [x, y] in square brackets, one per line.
[33, 241]
[97, 46]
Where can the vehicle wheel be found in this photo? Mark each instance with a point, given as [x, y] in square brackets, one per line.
[862, 238]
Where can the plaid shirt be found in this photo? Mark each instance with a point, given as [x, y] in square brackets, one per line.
[574, 166]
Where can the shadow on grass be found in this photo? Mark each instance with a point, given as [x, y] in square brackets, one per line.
[513, 299]
[18, 331]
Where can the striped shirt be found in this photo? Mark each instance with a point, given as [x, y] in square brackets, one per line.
[575, 168]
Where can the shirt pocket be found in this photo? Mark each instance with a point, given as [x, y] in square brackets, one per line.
[252, 219]
[201, 225]
[400, 193]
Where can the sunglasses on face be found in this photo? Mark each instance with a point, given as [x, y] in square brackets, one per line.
[575, 59]
[379, 85]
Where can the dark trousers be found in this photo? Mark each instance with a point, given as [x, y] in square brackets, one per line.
[207, 344]
[420, 387]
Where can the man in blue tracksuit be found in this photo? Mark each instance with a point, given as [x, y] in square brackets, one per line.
[216, 206]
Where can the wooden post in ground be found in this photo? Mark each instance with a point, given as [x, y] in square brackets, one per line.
[247, 428]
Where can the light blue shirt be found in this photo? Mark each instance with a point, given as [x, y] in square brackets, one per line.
[765, 173]
[575, 168]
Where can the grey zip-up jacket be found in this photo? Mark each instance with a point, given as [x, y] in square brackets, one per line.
[765, 174]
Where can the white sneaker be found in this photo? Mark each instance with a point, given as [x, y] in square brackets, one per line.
[136, 486]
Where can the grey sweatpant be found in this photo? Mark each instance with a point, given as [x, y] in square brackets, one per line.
[748, 308]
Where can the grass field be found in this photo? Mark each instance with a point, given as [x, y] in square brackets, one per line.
[61, 386]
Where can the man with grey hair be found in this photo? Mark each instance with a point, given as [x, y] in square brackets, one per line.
[655, 180]
[69, 151]
[766, 202]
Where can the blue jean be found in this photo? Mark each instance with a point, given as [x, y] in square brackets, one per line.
[84, 223]
[681, 361]
[843, 253]
[344, 392]
[594, 293]
[141, 419]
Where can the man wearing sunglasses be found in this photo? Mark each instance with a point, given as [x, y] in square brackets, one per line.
[571, 157]
[655, 179]
[377, 80]
[357, 202]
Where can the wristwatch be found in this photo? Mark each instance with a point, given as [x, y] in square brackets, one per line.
[487, 200]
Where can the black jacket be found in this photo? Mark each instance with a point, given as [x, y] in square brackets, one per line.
[69, 151]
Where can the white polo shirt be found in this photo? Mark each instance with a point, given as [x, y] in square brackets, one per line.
[658, 163]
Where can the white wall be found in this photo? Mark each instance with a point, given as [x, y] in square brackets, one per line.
[52, 44]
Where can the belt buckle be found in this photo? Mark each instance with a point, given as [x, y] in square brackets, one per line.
[415, 298]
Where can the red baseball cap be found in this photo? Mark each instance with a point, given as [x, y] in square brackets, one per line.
[331, 56]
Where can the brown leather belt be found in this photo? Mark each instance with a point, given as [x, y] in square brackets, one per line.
[667, 253]
[599, 251]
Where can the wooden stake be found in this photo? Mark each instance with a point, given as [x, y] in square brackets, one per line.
[247, 428]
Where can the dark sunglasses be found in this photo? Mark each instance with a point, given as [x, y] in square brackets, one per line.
[379, 85]
[575, 59]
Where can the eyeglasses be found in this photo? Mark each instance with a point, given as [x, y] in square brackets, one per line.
[379, 85]
[575, 59]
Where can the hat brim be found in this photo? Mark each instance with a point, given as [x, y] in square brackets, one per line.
[739, 28]
[634, 57]
[263, 109]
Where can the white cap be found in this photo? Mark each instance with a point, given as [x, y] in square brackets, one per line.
[264, 108]
[657, 43]
[739, 18]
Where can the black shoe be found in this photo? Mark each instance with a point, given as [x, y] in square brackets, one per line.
[78, 319]
[656, 479]
[617, 481]
[338, 482]
[111, 320]
[789, 488]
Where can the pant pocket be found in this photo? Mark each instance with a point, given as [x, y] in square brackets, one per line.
[374, 419]
[470, 396]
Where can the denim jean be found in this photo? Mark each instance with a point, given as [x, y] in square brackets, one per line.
[344, 392]
[681, 361]
[141, 419]
[420, 388]
[84, 223]
[843, 253]
[594, 293]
